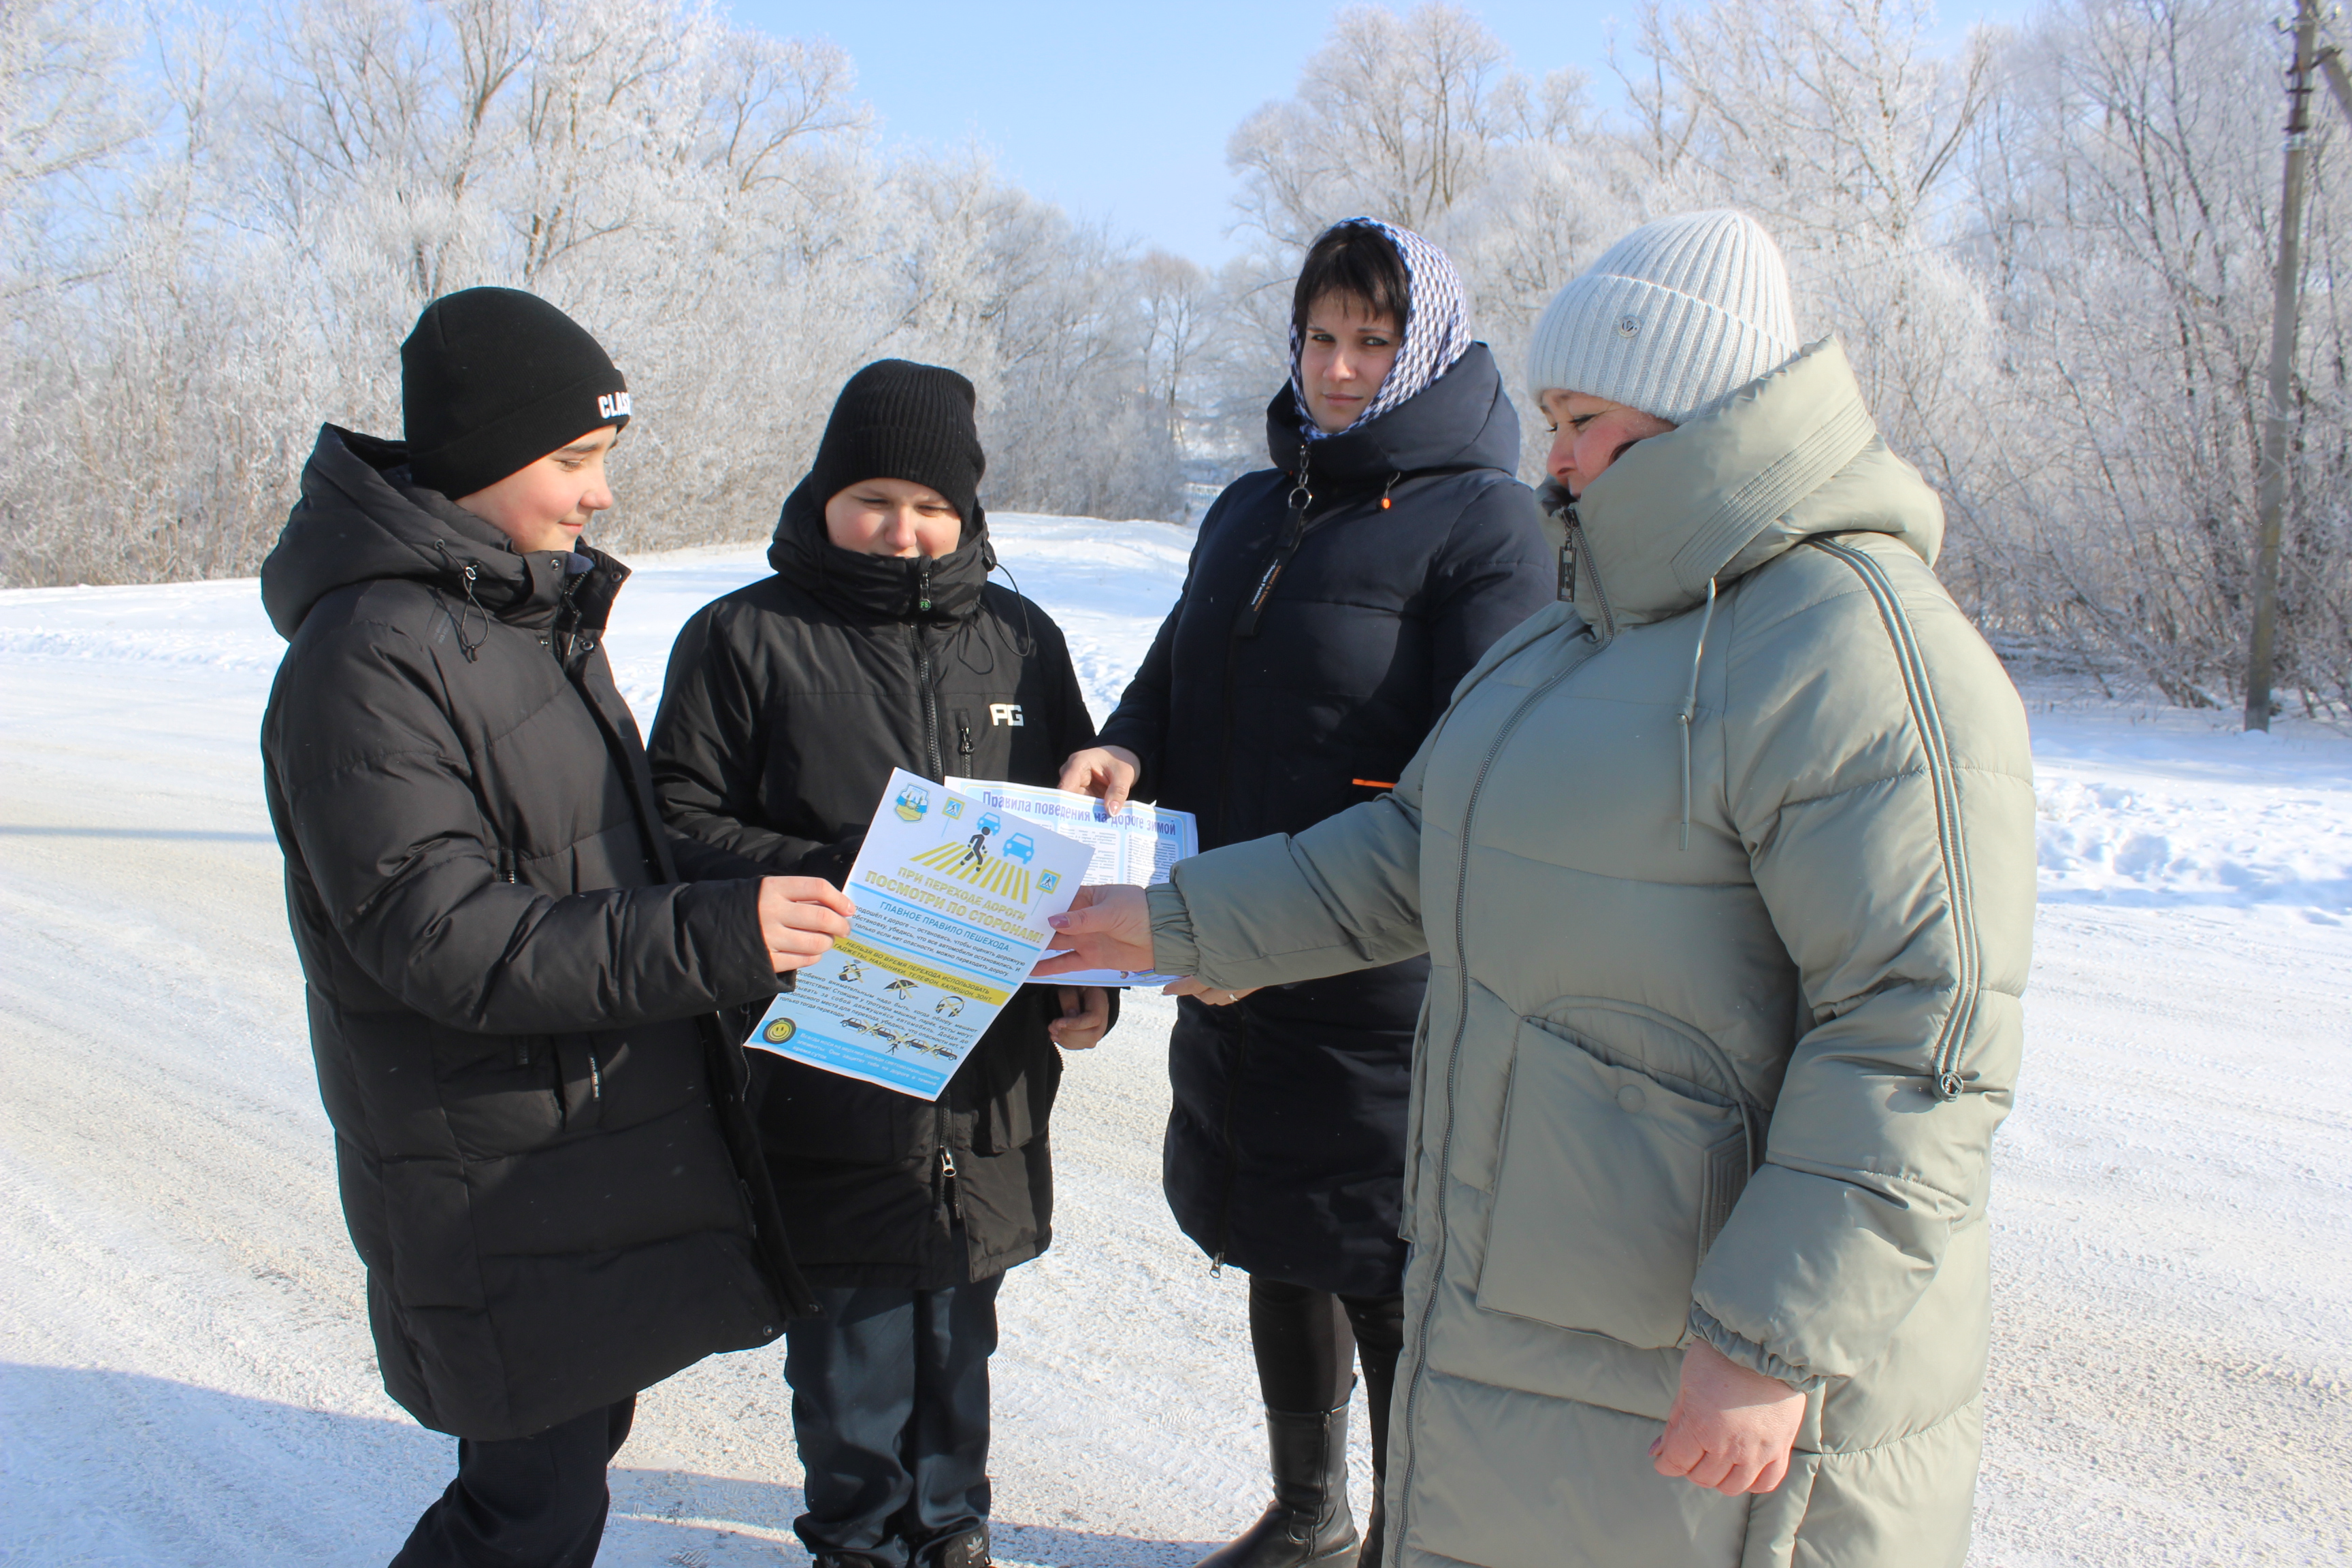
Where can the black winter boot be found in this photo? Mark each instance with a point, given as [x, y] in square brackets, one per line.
[1376, 1525]
[966, 1550]
[1308, 1525]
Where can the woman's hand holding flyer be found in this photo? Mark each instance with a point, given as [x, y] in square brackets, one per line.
[1104, 928]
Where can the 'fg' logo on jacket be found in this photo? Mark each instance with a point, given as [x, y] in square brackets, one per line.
[1007, 713]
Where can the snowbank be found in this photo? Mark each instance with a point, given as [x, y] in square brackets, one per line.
[2165, 808]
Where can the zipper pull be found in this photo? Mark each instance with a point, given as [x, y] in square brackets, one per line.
[1301, 498]
[963, 733]
[950, 1195]
[923, 584]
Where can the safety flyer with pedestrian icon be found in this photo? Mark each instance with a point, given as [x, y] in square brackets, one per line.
[953, 898]
[1136, 844]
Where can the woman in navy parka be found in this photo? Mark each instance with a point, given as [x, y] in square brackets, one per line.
[1331, 603]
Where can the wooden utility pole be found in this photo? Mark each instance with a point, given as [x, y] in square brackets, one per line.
[2271, 497]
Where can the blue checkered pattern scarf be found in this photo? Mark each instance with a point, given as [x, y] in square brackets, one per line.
[1436, 330]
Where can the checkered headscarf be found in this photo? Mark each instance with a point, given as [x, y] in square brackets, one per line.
[1436, 329]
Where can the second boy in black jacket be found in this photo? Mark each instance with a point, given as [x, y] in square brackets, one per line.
[879, 643]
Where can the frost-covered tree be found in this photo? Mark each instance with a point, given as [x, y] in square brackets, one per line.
[2048, 250]
[2120, 225]
[709, 201]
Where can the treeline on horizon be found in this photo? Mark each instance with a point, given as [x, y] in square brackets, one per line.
[2047, 247]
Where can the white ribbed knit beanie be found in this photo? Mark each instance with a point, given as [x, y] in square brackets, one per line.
[1672, 317]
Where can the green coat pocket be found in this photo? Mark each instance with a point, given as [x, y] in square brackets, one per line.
[1611, 1186]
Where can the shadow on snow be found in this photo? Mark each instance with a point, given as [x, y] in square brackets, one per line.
[127, 1470]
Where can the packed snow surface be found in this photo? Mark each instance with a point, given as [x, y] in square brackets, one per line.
[186, 1375]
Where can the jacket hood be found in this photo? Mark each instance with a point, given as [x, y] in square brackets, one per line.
[879, 587]
[1462, 420]
[360, 520]
[1788, 456]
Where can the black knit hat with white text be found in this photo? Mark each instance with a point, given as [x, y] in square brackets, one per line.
[899, 420]
[492, 380]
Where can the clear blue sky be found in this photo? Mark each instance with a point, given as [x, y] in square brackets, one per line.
[1120, 110]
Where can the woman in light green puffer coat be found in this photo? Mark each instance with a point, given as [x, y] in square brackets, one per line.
[1726, 871]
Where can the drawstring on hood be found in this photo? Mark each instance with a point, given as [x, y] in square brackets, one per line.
[1690, 704]
[466, 572]
[1027, 647]
[1301, 497]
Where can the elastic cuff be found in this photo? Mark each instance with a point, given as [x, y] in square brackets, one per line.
[1749, 1354]
[741, 966]
[1173, 950]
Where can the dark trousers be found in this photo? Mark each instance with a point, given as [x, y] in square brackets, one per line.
[1307, 1343]
[529, 1502]
[891, 1411]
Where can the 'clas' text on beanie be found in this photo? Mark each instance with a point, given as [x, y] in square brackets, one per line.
[492, 380]
[1674, 316]
[899, 420]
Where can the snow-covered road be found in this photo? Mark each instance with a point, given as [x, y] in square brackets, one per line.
[185, 1370]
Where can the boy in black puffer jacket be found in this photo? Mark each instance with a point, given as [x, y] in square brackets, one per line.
[879, 643]
[539, 1129]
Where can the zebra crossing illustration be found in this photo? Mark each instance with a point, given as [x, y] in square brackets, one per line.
[1006, 878]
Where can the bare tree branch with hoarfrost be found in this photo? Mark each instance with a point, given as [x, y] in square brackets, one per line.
[2048, 249]
[707, 200]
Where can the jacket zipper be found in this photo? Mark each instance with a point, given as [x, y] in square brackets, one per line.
[1436, 1272]
[566, 628]
[931, 704]
[505, 860]
[1951, 839]
[1301, 498]
[1583, 562]
[964, 740]
[1245, 627]
[950, 1195]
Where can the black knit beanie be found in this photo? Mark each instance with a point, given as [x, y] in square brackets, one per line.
[492, 380]
[899, 420]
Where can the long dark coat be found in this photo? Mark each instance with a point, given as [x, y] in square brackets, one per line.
[787, 704]
[1309, 653]
[544, 1157]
